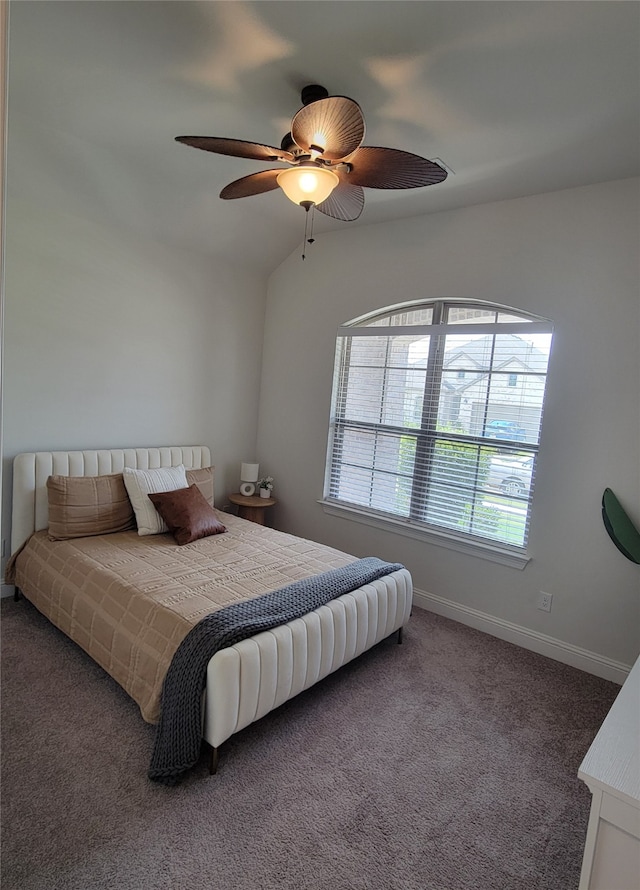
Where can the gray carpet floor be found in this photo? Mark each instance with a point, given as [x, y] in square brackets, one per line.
[446, 763]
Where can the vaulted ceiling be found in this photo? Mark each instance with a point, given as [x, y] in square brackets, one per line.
[514, 98]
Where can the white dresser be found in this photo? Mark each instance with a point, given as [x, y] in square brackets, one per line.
[611, 769]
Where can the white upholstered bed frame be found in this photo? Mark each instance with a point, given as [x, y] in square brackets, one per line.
[250, 679]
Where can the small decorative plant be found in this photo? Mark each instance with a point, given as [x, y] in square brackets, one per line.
[266, 483]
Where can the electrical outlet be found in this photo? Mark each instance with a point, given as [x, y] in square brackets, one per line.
[544, 601]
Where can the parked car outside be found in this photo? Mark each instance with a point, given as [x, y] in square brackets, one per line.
[511, 475]
[505, 429]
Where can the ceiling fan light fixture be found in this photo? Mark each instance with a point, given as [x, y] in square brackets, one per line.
[307, 184]
[330, 166]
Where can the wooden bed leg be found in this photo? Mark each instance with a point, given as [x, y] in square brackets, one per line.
[213, 763]
[399, 636]
[16, 594]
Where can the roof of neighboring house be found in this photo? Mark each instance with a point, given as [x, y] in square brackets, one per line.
[511, 346]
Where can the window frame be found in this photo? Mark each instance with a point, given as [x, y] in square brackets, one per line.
[428, 434]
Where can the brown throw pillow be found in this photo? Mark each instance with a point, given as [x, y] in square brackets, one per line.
[204, 479]
[82, 506]
[187, 514]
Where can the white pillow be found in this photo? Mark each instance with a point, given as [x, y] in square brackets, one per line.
[141, 483]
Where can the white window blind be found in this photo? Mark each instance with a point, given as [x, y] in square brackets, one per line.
[428, 424]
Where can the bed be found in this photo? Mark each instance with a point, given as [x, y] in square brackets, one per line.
[131, 601]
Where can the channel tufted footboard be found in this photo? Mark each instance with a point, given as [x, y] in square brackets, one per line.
[250, 679]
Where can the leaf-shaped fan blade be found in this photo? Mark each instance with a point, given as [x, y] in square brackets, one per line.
[334, 124]
[254, 184]
[345, 202]
[388, 168]
[237, 148]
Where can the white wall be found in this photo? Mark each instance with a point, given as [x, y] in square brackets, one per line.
[112, 339]
[571, 256]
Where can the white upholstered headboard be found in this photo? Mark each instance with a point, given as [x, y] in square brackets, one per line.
[31, 470]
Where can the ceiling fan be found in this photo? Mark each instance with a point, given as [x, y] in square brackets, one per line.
[328, 165]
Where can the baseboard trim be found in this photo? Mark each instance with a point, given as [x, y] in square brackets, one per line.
[574, 656]
[7, 590]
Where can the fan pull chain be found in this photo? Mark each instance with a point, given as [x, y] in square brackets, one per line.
[310, 239]
[306, 222]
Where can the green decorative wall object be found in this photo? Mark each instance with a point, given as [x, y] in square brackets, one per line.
[621, 529]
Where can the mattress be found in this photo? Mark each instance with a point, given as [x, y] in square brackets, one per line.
[129, 601]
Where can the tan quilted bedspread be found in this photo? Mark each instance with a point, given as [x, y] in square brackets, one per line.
[129, 601]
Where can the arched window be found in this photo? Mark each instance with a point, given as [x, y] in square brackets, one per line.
[436, 415]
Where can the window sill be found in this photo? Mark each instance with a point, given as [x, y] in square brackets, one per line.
[492, 552]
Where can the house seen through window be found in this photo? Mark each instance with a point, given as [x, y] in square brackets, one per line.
[436, 414]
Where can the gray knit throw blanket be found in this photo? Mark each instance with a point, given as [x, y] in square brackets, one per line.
[179, 733]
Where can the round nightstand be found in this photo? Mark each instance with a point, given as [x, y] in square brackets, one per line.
[252, 508]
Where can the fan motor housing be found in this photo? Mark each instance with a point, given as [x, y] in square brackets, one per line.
[312, 93]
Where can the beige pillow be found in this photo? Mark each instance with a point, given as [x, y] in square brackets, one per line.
[82, 506]
[141, 483]
[204, 479]
[187, 514]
